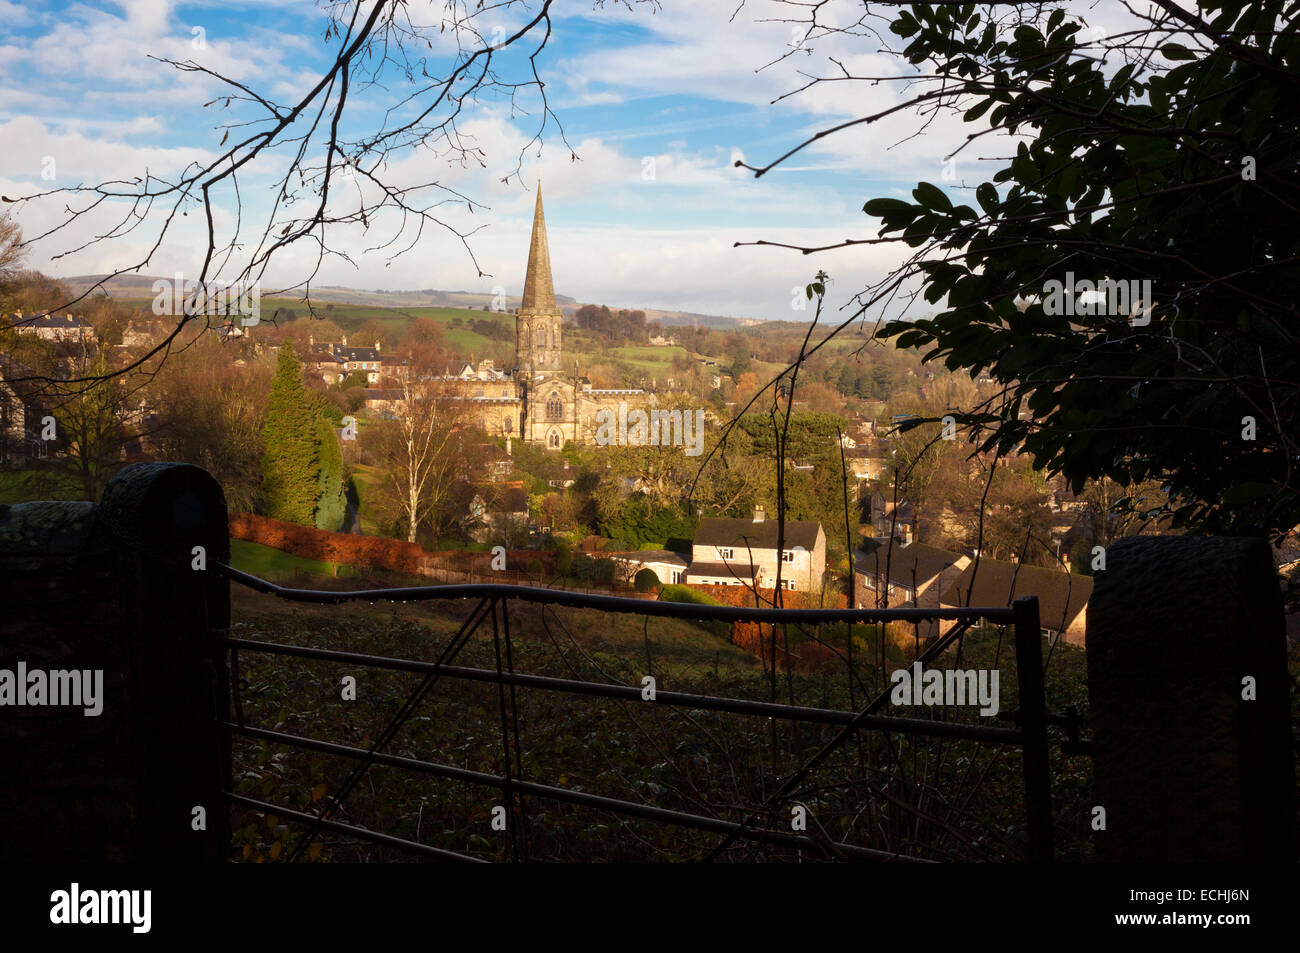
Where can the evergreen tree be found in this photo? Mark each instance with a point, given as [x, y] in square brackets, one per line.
[290, 465]
[331, 506]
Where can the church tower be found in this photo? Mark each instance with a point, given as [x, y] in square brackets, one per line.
[538, 321]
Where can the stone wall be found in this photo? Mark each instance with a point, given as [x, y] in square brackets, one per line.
[111, 588]
[1186, 768]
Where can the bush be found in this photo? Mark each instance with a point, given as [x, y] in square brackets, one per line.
[647, 580]
[603, 571]
[563, 559]
[678, 593]
[534, 567]
[370, 552]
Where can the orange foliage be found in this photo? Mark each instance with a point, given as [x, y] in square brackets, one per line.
[370, 552]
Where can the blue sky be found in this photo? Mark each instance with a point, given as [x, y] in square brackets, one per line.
[685, 90]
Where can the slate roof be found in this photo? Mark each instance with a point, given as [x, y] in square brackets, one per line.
[993, 587]
[739, 533]
[341, 353]
[913, 564]
[65, 322]
[651, 556]
[723, 570]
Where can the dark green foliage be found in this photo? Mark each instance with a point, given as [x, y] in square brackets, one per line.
[603, 572]
[638, 521]
[331, 505]
[646, 580]
[290, 464]
[680, 593]
[1140, 173]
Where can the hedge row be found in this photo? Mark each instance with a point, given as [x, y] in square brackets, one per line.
[369, 552]
[757, 640]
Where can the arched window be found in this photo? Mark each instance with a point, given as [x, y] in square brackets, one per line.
[509, 425]
[541, 336]
[554, 408]
[554, 440]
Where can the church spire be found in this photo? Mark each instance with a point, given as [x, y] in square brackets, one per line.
[539, 292]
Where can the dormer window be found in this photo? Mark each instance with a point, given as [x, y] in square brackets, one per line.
[726, 552]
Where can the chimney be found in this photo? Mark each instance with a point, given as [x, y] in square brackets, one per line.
[759, 514]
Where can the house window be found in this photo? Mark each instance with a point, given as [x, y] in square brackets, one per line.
[677, 576]
[787, 583]
[727, 553]
[787, 556]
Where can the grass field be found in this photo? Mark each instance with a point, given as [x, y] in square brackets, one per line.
[350, 317]
[25, 486]
[263, 560]
[673, 757]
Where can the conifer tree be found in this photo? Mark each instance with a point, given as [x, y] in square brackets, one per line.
[331, 505]
[291, 463]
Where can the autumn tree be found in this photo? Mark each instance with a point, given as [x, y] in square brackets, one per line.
[212, 411]
[416, 448]
[96, 422]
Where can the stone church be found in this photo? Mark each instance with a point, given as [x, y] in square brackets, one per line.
[542, 399]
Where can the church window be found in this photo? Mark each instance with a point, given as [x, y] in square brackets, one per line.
[510, 425]
[554, 408]
[554, 439]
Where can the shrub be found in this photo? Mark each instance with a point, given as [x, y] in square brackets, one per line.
[534, 567]
[603, 571]
[646, 580]
[370, 552]
[563, 559]
[679, 593]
